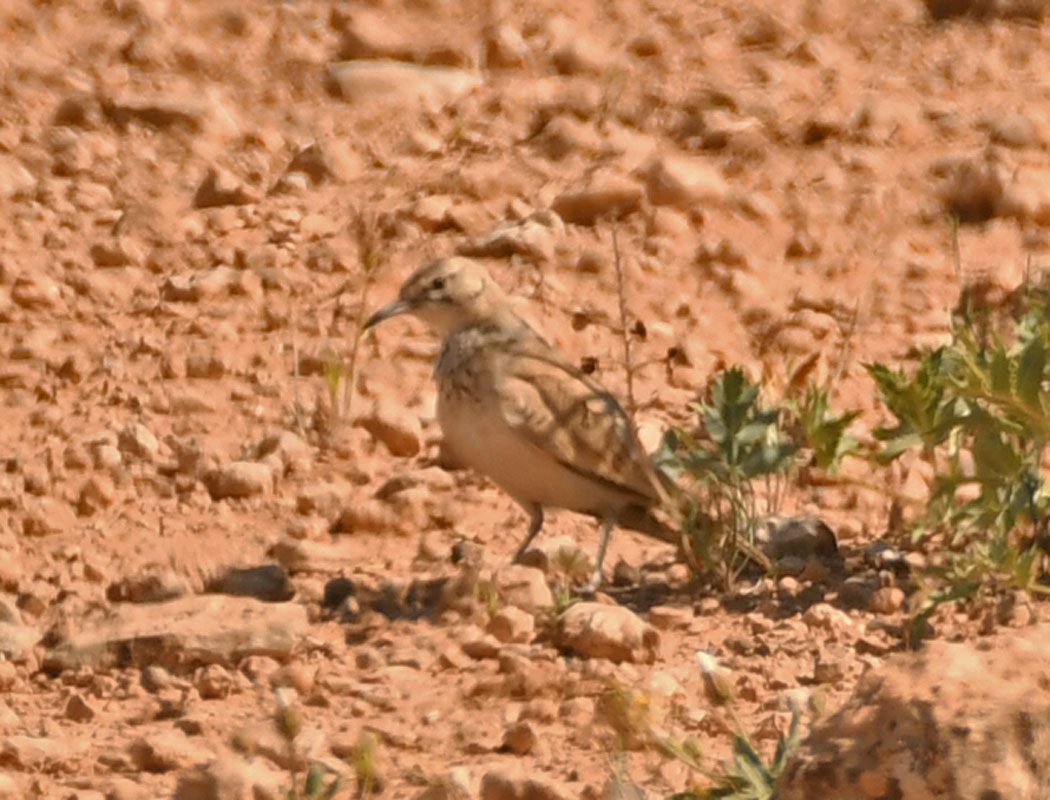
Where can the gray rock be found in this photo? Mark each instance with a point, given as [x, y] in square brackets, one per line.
[800, 537]
[881, 555]
[857, 591]
[268, 582]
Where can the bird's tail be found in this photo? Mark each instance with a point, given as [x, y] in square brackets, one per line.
[665, 525]
[653, 522]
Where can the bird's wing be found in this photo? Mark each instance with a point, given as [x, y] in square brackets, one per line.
[572, 419]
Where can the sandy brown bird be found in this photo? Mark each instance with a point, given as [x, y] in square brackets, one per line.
[513, 409]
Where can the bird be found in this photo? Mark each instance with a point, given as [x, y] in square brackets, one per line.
[513, 409]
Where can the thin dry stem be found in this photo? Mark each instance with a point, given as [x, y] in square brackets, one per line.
[371, 257]
[845, 350]
[625, 334]
[297, 406]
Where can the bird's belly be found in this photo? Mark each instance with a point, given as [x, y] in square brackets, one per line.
[485, 443]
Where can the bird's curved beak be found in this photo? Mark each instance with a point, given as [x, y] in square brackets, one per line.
[388, 311]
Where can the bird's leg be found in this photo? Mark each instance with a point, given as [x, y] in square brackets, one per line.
[535, 512]
[603, 544]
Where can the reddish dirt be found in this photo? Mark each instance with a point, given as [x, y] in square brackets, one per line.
[844, 139]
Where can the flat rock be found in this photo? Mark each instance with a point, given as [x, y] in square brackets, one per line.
[158, 112]
[966, 721]
[137, 440]
[191, 630]
[504, 784]
[15, 179]
[534, 237]
[407, 84]
[398, 429]
[607, 195]
[38, 752]
[151, 585]
[672, 180]
[239, 479]
[36, 291]
[327, 161]
[9, 788]
[1033, 10]
[222, 188]
[524, 587]
[45, 516]
[17, 641]
[231, 778]
[372, 35]
[305, 555]
[167, 751]
[512, 625]
[595, 630]
[294, 454]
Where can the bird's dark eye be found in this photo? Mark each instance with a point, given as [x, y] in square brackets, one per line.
[438, 284]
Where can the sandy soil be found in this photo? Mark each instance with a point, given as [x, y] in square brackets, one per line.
[178, 183]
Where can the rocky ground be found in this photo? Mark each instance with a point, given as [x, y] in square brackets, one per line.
[180, 269]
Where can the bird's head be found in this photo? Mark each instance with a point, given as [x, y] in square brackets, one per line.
[446, 295]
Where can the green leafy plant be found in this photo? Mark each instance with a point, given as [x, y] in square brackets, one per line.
[819, 431]
[363, 760]
[637, 724]
[288, 721]
[742, 455]
[925, 410]
[333, 377]
[487, 593]
[978, 411]
[738, 445]
[747, 776]
[316, 786]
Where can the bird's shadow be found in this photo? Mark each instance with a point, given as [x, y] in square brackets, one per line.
[368, 609]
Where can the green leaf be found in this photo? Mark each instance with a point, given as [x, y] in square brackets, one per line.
[752, 432]
[768, 459]
[999, 370]
[897, 446]
[1031, 372]
[314, 780]
[995, 459]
